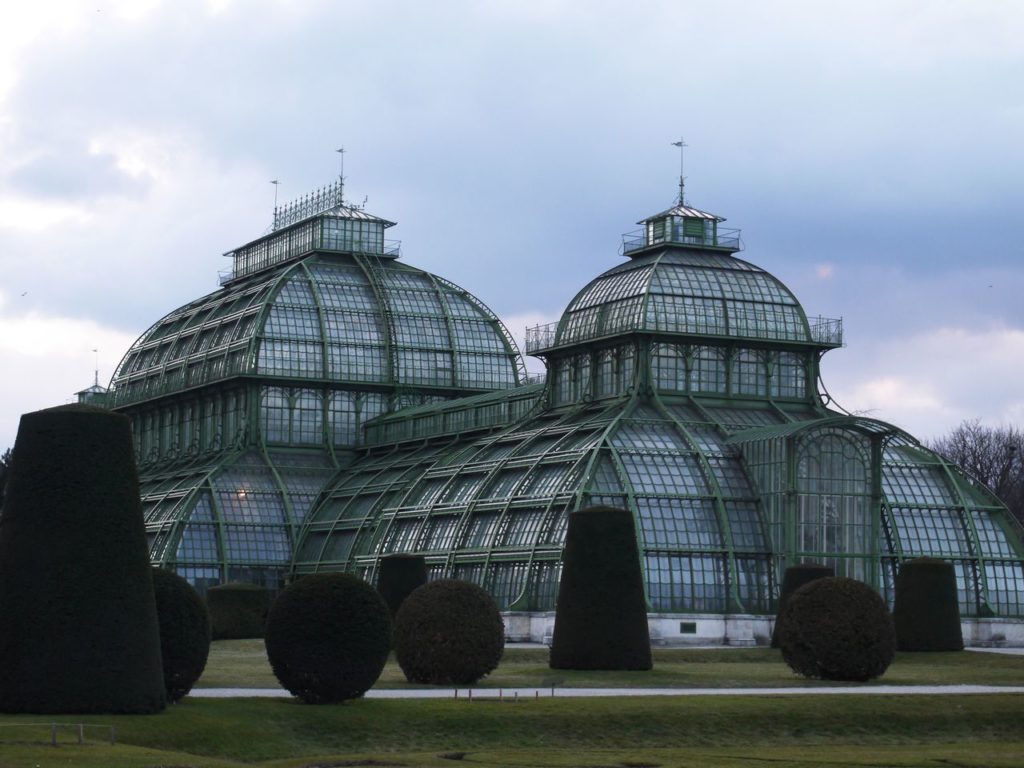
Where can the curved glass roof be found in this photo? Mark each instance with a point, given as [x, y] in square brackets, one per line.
[233, 518]
[677, 291]
[713, 511]
[732, 471]
[337, 318]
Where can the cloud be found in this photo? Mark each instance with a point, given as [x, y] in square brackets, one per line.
[74, 174]
[928, 383]
[47, 358]
[824, 271]
[127, 259]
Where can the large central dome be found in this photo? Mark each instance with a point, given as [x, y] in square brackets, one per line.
[342, 319]
[246, 401]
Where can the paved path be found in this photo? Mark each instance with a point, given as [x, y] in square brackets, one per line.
[564, 693]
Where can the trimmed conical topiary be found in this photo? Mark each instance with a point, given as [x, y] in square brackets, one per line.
[79, 629]
[601, 614]
[399, 576]
[238, 611]
[794, 578]
[926, 609]
[837, 629]
[184, 632]
[328, 637]
[448, 632]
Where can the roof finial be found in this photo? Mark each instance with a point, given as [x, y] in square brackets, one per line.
[96, 380]
[682, 179]
[341, 174]
[275, 182]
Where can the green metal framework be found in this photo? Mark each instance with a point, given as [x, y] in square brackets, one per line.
[684, 386]
[246, 402]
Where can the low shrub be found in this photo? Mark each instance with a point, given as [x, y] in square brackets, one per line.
[328, 637]
[794, 578]
[601, 613]
[448, 632]
[184, 632]
[926, 609]
[837, 629]
[238, 611]
[399, 576]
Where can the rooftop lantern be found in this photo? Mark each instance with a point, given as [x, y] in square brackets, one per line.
[319, 221]
[682, 225]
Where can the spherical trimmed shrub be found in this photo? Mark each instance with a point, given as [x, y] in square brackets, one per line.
[601, 613]
[837, 629]
[926, 608]
[399, 577]
[79, 630]
[794, 578]
[448, 632]
[328, 637]
[184, 632]
[238, 611]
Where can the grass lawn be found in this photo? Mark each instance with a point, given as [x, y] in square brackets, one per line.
[732, 731]
[243, 664]
[914, 731]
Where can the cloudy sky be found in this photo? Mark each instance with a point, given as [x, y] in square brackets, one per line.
[871, 152]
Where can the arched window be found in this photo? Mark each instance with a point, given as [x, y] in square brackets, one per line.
[668, 364]
[834, 515]
[604, 375]
[274, 415]
[789, 377]
[749, 373]
[707, 370]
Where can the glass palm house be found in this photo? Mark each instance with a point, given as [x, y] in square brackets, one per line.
[330, 405]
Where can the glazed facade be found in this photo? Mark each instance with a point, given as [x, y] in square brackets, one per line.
[330, 406]
[247, 401]
[682, 385]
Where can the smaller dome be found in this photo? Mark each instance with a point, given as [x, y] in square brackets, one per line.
[688, 292]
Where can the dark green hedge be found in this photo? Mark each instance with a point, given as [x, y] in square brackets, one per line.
[184, 632]
[328, 637]
[238, 611]
[399, 576]
[926, 609]
[448, 632]
[601, 614]
[79, 629]
[837, 629]
[794, 578]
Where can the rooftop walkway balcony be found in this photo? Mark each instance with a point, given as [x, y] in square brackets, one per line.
[722, 239]
[821, 331]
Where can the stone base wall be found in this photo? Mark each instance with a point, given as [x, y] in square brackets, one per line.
[674, 630]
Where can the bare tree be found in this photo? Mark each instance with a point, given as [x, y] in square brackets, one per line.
[993, 455]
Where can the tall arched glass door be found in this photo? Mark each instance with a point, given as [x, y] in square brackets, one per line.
[835, 511]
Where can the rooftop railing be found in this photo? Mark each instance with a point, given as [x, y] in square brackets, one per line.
[826, 330]
[389, 249]
[540, 337]
[727, 239]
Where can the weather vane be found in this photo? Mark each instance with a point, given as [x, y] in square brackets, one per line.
[682, 179]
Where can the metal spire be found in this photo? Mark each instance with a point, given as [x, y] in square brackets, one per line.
[275, 182]
[341, 173]
[96, 380]
[682, 179]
